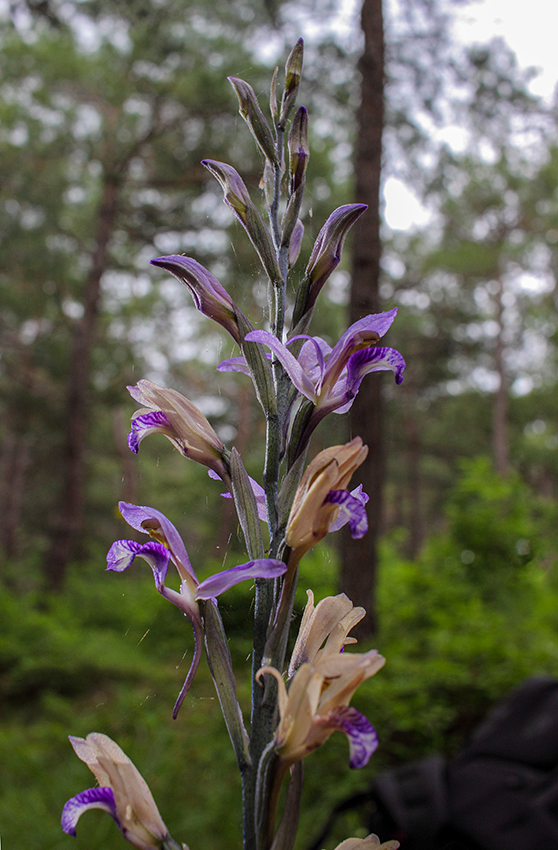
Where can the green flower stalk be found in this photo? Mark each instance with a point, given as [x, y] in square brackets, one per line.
[299, 380]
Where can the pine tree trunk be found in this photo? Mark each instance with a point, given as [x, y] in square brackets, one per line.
[500, 410]
[359, 561]
[70, 510]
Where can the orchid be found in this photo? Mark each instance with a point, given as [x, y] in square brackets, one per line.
[317, 703]
[165, 546]
[123, 793]
[330, 377]
[170, 413]
[322, 494]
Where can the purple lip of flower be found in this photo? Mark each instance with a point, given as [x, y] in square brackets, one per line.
[210, 297]
[93, 798]
[363, 740]
[351, 510]
[351, 506]
[168, 546]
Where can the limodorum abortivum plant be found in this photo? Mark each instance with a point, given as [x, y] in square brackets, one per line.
[298, 379]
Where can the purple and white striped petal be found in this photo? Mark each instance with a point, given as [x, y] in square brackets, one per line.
[153, 422]
[363, 740]
[328, 247]
[93, 798]
[151, 521]
[260, 568]
[291, 365]
[354, 510]
[371, 325]
[122, 553]
[344, 516]
[373, 360]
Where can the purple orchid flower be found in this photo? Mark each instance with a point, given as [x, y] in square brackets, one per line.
[165, 546]
[330, 377]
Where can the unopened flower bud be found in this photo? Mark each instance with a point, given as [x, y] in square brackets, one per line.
[250, 110]
[238, 199]
[234, 188]
[293, 73]
[296, 243]
[299, 150]
[371, 842]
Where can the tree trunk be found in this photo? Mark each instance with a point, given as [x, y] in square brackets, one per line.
[500, 410]
[358, 575]
[14, 466]
[70, 510]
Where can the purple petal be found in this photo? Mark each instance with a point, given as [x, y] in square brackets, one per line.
[344, 515]
[93, 798]
[234, 364]
[293, 368]
[260, 568]
[375, 323]
[312, 358]
[141, 518]
[122, 553]
[147, 423]
[364, 332]
[353, 507]
[373, 360]
[363, 740]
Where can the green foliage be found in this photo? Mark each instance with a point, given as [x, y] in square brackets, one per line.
[106, 656]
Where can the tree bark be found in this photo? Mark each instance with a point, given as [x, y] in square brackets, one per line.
[359, 562]
[70, 511]
[500, 445]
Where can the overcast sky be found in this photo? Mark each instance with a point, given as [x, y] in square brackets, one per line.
[529, 29]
